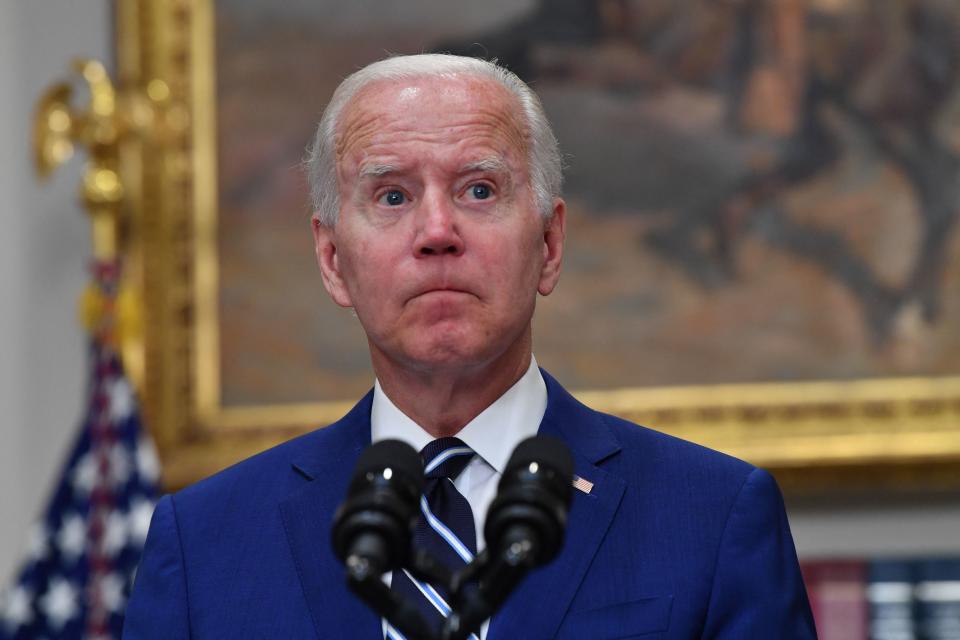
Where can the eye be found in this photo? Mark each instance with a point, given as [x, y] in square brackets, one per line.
[481, 191]
[393, 198]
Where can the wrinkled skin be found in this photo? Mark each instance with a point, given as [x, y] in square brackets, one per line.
[439, 247]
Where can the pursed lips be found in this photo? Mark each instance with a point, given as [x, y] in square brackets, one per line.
[440, 290]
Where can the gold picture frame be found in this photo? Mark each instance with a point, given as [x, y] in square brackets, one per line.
[901, 433]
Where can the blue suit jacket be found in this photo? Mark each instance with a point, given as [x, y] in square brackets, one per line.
[673, 541]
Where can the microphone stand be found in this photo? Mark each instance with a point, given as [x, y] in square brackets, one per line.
[483, 585]
[477, 590]
[524, 525]
[364, 579]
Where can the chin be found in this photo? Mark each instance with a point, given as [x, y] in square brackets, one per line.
[450, 351]
[452, 346]
[445, 357]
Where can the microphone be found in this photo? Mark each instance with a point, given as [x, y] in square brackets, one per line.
[372, 529]
[524, 529]
[526, 521]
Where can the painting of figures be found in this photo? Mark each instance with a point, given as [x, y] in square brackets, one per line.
[757, 190]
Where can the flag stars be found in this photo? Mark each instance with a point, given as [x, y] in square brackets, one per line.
[59, 603]
[141, 511]
[121, 400]
[115, 534]
[148, 464]
[38, 545]
[84, 476]
[72, 537]
[111, 593]
[101, 512]
[120, 464]
[17, 611]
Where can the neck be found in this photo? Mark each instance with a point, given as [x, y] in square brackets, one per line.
[444, 400]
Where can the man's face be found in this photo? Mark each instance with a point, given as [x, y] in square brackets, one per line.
[439, 247]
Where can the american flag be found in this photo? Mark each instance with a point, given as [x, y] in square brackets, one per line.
[82, 555]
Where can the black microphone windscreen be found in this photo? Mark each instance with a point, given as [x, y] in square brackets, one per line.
[396, 455]
[376, 520]
[544, 450]
[532, 500]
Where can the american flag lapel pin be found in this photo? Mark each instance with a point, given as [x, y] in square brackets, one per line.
[582, 484]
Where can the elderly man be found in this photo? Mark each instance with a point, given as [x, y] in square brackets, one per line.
[436, 185]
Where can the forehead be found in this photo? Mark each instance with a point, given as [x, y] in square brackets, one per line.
[454, 112]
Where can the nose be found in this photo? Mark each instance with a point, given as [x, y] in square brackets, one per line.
[438, 232]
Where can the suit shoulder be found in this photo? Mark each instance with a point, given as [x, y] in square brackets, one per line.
[670, 455]
[269, 475]
[641, 455]
[291, 461]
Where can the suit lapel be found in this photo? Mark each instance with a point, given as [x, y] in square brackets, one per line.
[308, 515]
[530, 612]
[307, 518]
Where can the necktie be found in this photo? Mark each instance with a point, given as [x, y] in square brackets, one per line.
[445, 529]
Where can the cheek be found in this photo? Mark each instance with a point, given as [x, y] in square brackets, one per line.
[369, 271]
[350, 268]
[517, 270]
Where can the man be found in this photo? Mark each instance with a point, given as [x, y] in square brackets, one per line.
[438, 220]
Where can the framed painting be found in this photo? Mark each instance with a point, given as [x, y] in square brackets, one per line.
[763, 252]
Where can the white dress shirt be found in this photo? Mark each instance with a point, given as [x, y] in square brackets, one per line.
[493, 435]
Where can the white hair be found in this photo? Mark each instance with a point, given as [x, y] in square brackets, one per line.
[544, 154]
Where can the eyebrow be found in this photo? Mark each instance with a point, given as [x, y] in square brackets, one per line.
[376, 170]
[492, 163]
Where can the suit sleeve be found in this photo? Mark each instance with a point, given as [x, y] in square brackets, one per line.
[757, 590]
[158, 604]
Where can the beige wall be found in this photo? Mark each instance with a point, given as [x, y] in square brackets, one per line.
[43, 253]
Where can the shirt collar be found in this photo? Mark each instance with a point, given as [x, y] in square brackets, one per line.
[493, 434]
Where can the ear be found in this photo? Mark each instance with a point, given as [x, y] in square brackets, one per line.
[325, 246]
[554, 233]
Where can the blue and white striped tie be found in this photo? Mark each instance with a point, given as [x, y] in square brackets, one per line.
[445, 529]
